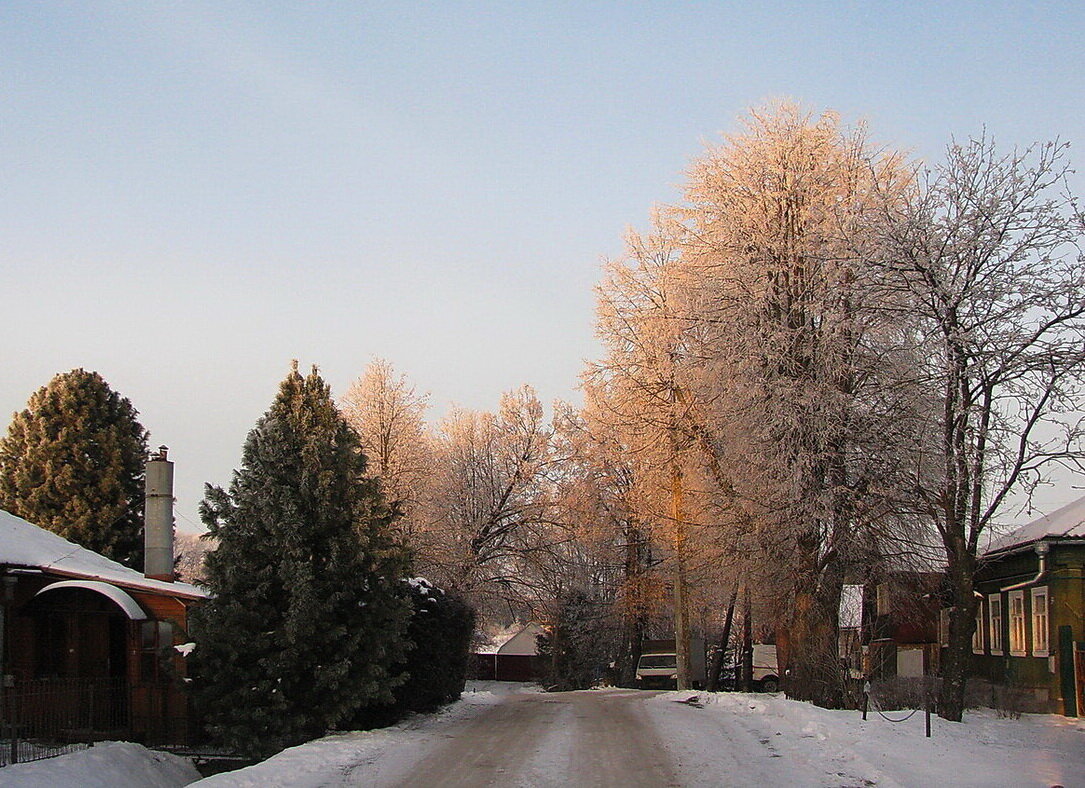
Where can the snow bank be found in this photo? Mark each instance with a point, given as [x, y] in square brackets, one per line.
[106, 765]
[381, 754]
[769, 738]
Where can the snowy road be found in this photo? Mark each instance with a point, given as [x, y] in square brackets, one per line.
[570, 738]
[510, 735]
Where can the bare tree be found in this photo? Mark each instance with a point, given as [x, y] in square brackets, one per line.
[987, 252]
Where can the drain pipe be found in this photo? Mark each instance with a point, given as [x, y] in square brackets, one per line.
[1042, 548]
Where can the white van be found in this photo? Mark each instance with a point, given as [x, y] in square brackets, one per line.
[658, 664]
[766, 672]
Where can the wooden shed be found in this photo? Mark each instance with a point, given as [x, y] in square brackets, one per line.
[515, 659]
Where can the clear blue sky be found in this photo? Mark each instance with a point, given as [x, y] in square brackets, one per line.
[192, 194]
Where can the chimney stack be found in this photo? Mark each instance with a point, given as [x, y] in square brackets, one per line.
[158, 518]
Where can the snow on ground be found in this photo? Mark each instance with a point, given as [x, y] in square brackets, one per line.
[730, 739]
[741, 738]
[105, 765]
[385, 752]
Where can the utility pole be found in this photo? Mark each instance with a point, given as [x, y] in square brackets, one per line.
[681, 615]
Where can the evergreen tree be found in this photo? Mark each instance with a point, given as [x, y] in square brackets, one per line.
[72, 462]
[307, 616]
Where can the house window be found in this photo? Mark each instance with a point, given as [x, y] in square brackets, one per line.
[156, 641]
[883, 599]
[1018, 624]
[943, 626]
[994, 639]
[977, 636]
[1039, 622]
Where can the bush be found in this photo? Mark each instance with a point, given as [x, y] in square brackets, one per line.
[440, 630]
[904, 693]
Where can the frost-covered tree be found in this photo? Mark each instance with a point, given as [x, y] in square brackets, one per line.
[72, 462]
[797, 353]
[307, 614]
[389, 416]
[988, 254]
[487, 508]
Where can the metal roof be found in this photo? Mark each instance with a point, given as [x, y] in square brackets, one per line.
[1065, 523]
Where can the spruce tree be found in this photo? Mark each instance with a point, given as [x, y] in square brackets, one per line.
[307, 616]
[72, 462]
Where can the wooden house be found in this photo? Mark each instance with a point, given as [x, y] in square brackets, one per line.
[1029, 625]
[90, 647]
[889, 629]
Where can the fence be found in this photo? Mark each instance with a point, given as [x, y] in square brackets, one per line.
[47, 717]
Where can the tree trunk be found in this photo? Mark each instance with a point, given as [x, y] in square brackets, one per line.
[814, 670]
[958, 655]
[747, 641]
[725, 639]
[681, 613]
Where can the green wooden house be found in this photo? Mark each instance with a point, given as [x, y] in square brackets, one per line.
[1029, 625]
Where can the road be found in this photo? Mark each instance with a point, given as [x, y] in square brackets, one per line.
[569, 738]
[514, 735]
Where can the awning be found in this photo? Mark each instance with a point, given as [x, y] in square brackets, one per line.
[119, 596]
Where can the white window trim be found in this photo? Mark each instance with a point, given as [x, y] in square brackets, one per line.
[1046, 627]
[1021, 649]
[977, 636]
[995, 631]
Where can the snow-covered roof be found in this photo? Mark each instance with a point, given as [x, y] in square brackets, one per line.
[25, 545]
[1065, 523]
[496, 641]
[523, 643]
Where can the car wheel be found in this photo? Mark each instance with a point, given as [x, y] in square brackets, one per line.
[770, 685]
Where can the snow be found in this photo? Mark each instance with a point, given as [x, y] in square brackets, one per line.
[424, 586]
[185, 648]
[105, 765]
[382, 754]
[771, 740]
[719, 739]
[731, 739]
[23, 544]
[495, 639]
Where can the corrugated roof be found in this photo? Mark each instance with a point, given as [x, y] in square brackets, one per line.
[1065, 523]
[23, 544]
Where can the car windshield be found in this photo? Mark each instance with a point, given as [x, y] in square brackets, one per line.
[658, 661]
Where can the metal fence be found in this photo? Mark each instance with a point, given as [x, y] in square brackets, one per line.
[42, 718]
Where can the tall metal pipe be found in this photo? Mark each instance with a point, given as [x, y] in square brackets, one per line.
[158, 517]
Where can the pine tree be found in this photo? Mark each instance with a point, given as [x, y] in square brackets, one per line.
[307, 616]
[72, 462]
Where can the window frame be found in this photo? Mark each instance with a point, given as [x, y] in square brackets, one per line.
[994, 639]
[944, 625]
[1018, 624]
[1041, 628]
[977, 635]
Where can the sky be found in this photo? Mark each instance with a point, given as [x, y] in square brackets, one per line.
[194, 193]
